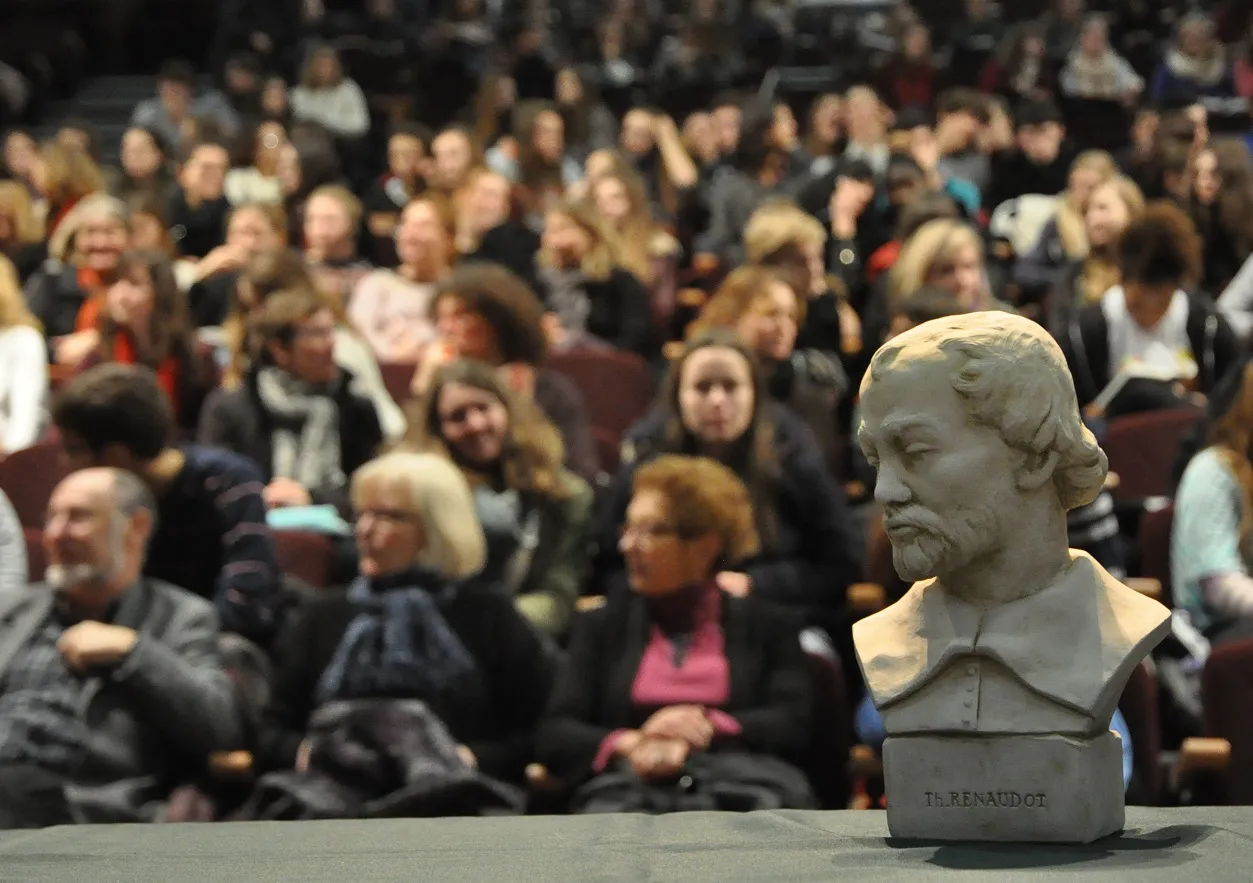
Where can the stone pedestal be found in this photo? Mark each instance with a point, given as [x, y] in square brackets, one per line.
[1006, 788]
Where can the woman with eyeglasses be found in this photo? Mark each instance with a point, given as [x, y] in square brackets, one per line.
[678, 682]
[400, 631]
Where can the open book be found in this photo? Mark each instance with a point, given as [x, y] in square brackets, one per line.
[1158, 365]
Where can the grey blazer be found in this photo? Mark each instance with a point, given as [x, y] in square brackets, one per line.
[153, 721]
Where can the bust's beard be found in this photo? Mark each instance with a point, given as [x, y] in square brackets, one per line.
[943, 545]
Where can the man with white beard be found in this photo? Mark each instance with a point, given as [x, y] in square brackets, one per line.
[111, 689]
[972, 425]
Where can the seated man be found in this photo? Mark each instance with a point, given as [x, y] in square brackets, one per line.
[210, 536]
[111, 689]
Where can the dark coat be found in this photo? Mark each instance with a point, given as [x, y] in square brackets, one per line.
[621, 312]
[1086, 345]
[494, 713]
[236, 420]
[55, 297]
[770, 687]
[809, 564]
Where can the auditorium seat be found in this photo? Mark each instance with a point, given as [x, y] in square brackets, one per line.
[617, 386]
[28, 478]
[36, 557]
[1139, 709]
[1155, 527]
[1142, 449]
[398, 378]
[1227, 699]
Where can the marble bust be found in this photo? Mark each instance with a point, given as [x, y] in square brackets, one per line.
[998, 672]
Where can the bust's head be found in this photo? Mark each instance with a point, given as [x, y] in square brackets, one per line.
[972, 425]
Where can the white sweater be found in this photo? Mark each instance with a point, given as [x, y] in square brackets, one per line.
[13, 575]
[342, 110]
[23, 387]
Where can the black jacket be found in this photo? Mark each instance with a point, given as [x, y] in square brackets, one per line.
[55, 297]
[236, 420]
[620, 312]
[494, 713]
[1086, 345]
[770, 687]
[808, 565]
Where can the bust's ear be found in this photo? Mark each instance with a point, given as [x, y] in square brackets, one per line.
[1036, 470]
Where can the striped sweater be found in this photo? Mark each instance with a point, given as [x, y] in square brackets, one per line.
[212, 539]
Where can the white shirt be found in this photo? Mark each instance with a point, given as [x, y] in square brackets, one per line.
[1164, 346]
[23, 387]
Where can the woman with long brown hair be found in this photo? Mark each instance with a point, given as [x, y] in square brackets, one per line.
[145, 320]
[1221, 206]
[23, 367]
[537, 159]
[1212, 537]
[535, 513]
[591, 295]
[64, 175]
[647, 249]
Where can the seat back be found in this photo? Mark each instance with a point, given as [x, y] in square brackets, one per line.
[617, 387]
[1227, 699]
[36, 557]
[28, 478]
[1142, 449]
[397, 377]
[1155, 527]
[831, 731]
[305, 555]
[1139, 708]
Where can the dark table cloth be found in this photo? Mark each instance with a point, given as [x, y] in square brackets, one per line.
[1211, 844]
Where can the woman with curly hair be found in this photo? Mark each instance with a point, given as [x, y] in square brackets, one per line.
[1152, 323]
[534, 512]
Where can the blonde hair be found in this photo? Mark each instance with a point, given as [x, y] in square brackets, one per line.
[1070, 225]
[933, 244]
[738, 295]
[605, 253]
[69, 173]
[776, 225]
[350, 204]
[440, 497]
[1101, 271]
[15, 202]
[13, 309]
[97, 206]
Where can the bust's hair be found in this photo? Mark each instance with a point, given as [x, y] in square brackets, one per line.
[1013, 378]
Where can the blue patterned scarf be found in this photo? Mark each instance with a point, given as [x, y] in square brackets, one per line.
[399, 646]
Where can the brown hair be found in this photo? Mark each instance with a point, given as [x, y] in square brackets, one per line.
[274, 215]
[307, 80]
[532, 455]
[15, 203]
[1161, 247]
[278, 318]
[505, 303]
[704, 498]
[1235, 195]
[757, 457]
[639, 230]
[738, 294]
[604, 254]
[13, 308]
[171, 332]
[348, 202]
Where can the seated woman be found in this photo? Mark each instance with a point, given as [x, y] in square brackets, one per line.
[145, 322]
[331, 230]
[1151, 325]
[401, 631]
[678, 677]
[714, 403]
[764, 309]
[592, 298]
[295, 414]
[536, 515]
[948, 253]
[251, 228]
[648, 250]
[390, 308]
[489, 226]
[279, 269]
[486, 313]
[1211, 553]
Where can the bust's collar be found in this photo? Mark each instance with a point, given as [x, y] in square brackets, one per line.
[1066, 642]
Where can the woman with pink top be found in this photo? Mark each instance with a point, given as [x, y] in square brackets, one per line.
[677, 695]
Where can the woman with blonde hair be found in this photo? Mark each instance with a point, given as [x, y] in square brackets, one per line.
[1064, 238]
[648, 250]
[535, 513]
[21, 231]
[948, 253]
[64, 175]
[1114, 204]
[406, 629]
[591, 296]
[23, 367]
